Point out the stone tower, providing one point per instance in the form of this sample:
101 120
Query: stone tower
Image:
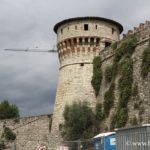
79 40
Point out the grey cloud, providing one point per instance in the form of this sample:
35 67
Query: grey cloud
30 79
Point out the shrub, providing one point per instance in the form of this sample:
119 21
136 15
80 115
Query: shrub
98 117
79 121
109 99
121 117
126 48
8 111
99 113
123 52
97 75
145 67
113 122
125 82
8 134
109 74
114 45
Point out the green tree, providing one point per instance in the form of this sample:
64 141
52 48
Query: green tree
8 110
79 121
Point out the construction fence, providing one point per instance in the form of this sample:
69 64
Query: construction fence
78 145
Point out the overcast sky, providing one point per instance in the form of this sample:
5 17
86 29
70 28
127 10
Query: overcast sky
29 79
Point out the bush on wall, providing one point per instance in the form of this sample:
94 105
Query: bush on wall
123 55
125 82
127 47
97 75
145 67
109 74
121 117
109 99
8 134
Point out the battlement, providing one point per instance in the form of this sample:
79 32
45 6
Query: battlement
142 31
76 45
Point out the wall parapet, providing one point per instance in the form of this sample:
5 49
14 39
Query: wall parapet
108 52
142 31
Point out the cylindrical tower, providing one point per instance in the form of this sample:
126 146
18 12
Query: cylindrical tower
79 40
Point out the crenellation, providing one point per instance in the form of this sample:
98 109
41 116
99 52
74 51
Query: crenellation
147 23
130 32
136 29
142 31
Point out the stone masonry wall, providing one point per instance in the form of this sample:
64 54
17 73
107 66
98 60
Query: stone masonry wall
76 29
143 98
30 131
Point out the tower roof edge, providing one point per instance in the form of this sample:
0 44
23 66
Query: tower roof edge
87 18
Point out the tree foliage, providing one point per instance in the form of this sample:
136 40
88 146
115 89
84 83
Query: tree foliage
8 111
79 121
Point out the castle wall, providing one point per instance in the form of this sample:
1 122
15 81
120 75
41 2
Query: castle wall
143 98
30 132
74 85
77 48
